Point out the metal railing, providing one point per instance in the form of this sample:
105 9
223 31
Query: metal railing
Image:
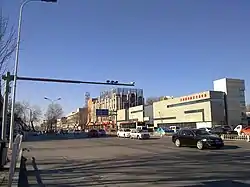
15 156
235 137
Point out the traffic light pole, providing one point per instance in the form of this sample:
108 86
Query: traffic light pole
7 78
10 78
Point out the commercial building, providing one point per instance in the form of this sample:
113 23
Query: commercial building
141 114
74 120
235 99
207 108
113 100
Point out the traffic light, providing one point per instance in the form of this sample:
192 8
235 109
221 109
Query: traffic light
52 1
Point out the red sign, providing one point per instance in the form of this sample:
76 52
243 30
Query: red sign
188 98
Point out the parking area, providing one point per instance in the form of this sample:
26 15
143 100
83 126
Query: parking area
126 162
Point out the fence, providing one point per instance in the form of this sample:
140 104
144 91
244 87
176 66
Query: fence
15 155
235 137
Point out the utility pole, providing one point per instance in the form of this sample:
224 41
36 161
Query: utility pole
7 78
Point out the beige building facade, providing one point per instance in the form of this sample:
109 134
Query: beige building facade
113 100
206 107
74 120
135 114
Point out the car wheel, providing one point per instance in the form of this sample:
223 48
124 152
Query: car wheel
138 137
124 135
177 143
200 145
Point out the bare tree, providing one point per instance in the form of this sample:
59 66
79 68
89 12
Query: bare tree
54 112
26 113
35 115
7 44
20 109
151 100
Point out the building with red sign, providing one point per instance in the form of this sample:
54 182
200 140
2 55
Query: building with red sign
205 107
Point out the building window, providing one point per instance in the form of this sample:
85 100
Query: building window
165 118
188 103
193 111
136 111
242 93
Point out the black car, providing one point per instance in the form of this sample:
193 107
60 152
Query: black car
197 138
222 130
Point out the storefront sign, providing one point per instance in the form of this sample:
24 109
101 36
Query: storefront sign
193 97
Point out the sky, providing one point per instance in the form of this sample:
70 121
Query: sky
168 47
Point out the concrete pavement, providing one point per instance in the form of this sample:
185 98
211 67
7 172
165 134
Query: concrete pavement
125 162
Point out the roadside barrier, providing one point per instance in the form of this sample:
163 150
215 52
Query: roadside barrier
160 134
15 156
235 137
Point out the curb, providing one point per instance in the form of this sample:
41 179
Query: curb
16 174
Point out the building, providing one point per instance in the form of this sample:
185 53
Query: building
235 99
74 120
207 108
92 105
61 123
113 100
139 113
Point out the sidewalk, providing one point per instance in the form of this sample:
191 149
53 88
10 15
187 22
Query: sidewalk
4 173
5 170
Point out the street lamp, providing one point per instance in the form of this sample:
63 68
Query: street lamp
16 64
52 101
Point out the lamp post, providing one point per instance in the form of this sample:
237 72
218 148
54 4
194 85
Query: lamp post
16 64
52 103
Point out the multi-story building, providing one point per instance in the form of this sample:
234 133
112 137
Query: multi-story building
74 120
206 108
114 100
235 99
61 123
135 114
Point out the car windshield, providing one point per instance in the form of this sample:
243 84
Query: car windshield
201 132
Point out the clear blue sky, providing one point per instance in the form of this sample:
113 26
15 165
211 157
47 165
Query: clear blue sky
169 47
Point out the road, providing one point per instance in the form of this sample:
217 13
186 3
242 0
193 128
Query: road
125 162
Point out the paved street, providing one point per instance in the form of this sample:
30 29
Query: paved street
125 162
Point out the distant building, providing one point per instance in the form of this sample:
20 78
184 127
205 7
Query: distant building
235 99
113 100
74 120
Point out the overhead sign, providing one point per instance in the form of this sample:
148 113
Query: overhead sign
102 112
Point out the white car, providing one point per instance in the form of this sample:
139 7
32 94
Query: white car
123 133
139 134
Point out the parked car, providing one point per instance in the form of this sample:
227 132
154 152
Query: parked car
139 134
77 131
93 133
222 130
124 133
197 138
102 132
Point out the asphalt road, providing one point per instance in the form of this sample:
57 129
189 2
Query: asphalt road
125 162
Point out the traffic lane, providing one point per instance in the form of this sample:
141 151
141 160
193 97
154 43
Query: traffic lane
158 166
114 147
